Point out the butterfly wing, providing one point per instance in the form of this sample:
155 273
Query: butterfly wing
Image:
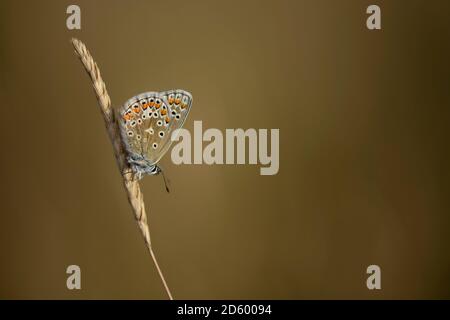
148 120
179 103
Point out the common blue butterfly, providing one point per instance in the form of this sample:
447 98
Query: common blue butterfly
147 122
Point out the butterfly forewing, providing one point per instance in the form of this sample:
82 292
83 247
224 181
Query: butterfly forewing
148 120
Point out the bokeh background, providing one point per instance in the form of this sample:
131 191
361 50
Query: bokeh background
364 127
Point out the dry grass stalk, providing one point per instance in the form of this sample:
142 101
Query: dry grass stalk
132 187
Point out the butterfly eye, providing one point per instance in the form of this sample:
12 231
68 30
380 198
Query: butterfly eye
143 101
159 123
174 112
130 133
155 145
177 116
161 134
139 121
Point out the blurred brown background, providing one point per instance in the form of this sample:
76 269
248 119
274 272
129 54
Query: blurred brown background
364 127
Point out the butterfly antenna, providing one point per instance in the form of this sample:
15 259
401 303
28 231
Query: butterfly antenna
166 181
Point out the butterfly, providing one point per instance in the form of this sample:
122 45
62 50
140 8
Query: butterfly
147 122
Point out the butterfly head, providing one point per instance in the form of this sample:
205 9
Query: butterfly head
142 167
155 170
